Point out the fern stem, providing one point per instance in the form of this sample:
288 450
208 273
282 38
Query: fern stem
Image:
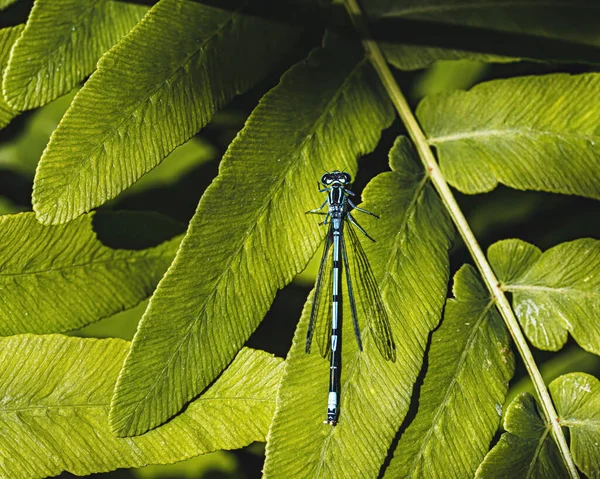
437 178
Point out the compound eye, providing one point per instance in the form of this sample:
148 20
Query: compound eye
347 178
326 179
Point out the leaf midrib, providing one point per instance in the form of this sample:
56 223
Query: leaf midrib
507 132
219 399
101 143
536 455
410 210
277 191
583 424
148 258
551 290
463 357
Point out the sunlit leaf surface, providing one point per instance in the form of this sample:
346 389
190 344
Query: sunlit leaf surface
529 133
555 293
412 241
54 398
577 399
58 278
460 401
526 449
8 36
325 113
60 46
151 93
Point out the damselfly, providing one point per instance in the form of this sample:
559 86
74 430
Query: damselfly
341 241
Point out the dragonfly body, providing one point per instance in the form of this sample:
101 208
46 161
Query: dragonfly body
336 185
337 203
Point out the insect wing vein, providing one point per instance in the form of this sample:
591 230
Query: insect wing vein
320 316
351 300
369 298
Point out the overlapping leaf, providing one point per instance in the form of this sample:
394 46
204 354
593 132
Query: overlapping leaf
577 399
460 402
249 236
414 57
6 3
571 358
54 398
58 278
22 152
8 36
486 30
121 325
521 132
526 449
151 92
554 293
180 161
60 46
215 464
447 75
412 241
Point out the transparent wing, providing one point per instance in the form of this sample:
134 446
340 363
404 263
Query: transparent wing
351 293
320 315
366 290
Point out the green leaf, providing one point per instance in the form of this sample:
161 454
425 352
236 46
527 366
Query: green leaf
519 132
569 359
121 325
6 3
218 464
554 293
577 399
60 46
485 30
57 278
460 402
54 397
413 237
8 36
414 57
151 92
526 449
445 75
181 160
326 112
